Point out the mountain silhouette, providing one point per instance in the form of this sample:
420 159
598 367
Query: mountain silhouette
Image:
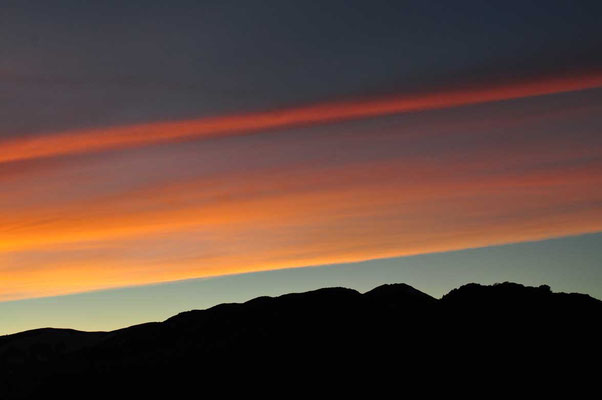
332 337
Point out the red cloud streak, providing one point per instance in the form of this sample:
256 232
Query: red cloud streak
71 142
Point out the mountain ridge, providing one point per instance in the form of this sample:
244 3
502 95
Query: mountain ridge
336 326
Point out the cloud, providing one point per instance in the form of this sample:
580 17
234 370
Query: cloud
269 219
426 182
74 142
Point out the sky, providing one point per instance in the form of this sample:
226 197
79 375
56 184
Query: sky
243 148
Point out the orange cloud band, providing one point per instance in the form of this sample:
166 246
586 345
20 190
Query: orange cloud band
250 221
71 142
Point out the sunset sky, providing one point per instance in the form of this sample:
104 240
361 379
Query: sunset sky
147 144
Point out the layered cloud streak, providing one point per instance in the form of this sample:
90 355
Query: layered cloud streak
73 142
415 183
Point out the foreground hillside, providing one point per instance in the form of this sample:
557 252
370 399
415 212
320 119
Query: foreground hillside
334 336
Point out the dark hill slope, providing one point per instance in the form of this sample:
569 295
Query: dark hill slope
334 336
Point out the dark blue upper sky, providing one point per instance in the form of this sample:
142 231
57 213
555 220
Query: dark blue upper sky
68 64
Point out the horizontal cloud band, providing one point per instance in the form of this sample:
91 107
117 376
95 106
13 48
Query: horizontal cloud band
73 142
